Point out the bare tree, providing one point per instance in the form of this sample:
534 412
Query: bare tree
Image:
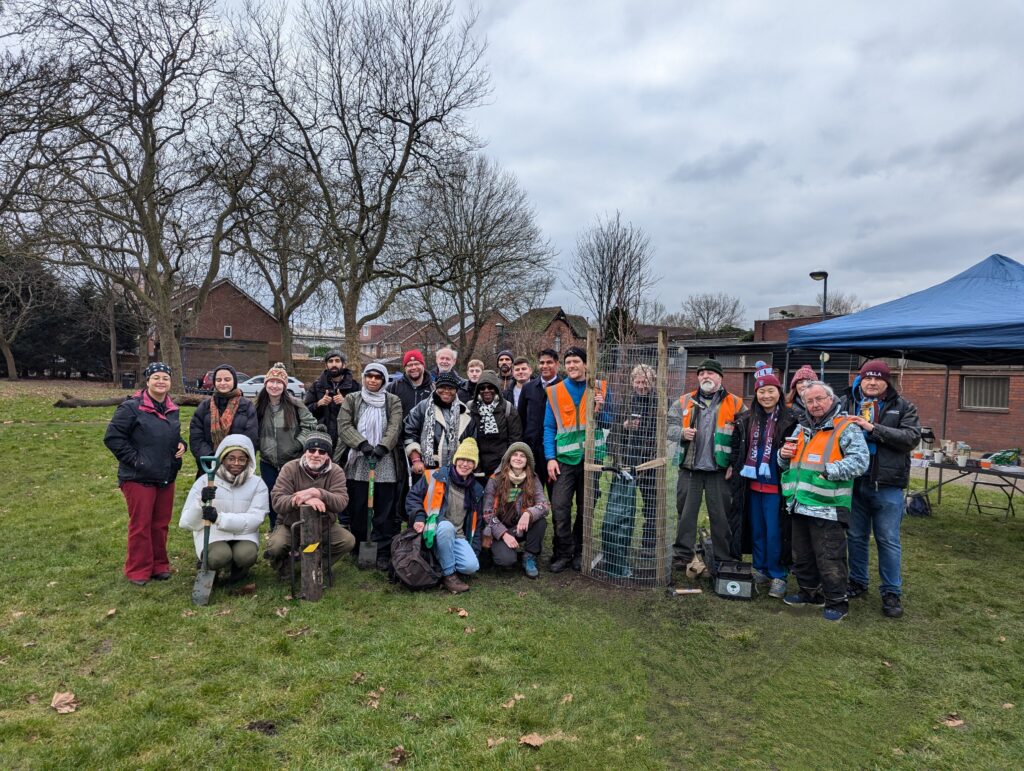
841 303
162 149
708 313
481 233
372 96
611 274
24 286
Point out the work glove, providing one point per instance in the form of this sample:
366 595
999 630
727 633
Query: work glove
366 449
381 451
209 513
208 494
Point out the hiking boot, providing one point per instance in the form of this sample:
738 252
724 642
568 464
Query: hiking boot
759 578
577 563
454 584
560 564
891 606
383 563
530 566
834 614
803 600
778 588
855 589
138 581
237 574
164 576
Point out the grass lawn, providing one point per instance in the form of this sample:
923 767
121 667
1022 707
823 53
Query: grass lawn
609 678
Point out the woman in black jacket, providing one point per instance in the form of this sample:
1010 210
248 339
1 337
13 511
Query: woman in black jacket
758 511
494 424
145 437
226 412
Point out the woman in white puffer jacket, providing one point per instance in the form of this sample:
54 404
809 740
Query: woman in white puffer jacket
237 505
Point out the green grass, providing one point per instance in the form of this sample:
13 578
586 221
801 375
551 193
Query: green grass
656 682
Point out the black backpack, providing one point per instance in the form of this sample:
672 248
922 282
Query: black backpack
918 505
412 564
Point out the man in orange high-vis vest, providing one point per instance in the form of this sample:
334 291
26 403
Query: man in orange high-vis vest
701 421
564 433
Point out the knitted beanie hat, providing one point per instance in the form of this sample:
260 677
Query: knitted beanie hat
468 450
522 447
710 365
414 355
331 354
765 376
449 379
877 368
505 352
318 439
277 372
577 352
804 373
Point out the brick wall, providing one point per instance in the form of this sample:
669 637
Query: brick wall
226 306
199 356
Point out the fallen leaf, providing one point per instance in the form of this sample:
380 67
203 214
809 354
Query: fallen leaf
534 686
469 630
263 727
297 632
373 698
28 645
1002 638
952 720
887 664
532 740
520 594
17 614
111 612
32 699
638 738
88 594
281 612
512 702
51 584
223 612
288 597
898 752
4 661
492 743
357 677
64 702
155 658
398 756
1007 705
462 612
566 699
187 613
246 589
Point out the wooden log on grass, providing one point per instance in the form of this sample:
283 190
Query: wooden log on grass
72 401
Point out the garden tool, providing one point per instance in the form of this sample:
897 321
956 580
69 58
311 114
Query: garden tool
368 549
204 578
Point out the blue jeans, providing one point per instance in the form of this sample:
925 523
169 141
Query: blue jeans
269 474
454 552
880 510
766 533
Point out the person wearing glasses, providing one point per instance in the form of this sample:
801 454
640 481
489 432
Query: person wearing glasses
369 428
310 480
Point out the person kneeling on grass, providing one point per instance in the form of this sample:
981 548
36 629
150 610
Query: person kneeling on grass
445 507
515 508
311 480
235 505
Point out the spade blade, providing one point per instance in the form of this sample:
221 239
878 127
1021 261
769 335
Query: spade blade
203 586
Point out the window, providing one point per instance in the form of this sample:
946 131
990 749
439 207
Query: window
558 343
984 393
227 330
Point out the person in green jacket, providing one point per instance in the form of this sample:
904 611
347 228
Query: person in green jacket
284 424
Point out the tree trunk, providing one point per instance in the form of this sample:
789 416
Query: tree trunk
349 310
112 331
170 353
12 370
286 344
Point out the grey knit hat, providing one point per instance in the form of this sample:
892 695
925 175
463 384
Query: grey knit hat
522 447
319 439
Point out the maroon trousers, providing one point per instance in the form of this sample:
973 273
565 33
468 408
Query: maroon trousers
149 514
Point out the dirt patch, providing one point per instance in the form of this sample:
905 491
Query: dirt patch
262 726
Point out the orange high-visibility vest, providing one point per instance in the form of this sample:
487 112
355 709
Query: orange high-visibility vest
571 423
804 478
725 418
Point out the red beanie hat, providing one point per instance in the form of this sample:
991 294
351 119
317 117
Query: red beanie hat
804 373
414 354
765 376
876 368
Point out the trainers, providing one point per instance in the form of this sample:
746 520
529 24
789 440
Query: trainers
560 564
164 576
833 614
530 566
855 589
759 577
454 584
778 588
803 600
891 605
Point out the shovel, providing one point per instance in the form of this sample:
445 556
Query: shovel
204 578
368 549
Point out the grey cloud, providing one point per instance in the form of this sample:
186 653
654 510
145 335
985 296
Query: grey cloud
727 162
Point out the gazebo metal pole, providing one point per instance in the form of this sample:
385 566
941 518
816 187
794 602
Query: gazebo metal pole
945 404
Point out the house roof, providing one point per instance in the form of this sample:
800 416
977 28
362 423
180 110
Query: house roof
539 319
189 293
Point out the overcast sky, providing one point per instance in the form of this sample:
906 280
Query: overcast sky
756 141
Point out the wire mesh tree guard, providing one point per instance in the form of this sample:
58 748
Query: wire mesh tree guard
627 530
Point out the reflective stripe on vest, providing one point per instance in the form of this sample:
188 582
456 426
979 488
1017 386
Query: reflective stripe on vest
803 477
725 418
571 423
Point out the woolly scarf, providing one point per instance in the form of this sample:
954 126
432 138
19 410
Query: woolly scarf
488 424
233 479
751 469
220 422
451 419
372 419
315 473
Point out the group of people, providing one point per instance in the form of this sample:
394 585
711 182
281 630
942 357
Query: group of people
799 480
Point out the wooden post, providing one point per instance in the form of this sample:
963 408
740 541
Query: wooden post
661 443
312 564
590 479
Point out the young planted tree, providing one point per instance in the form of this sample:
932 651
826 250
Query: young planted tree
372 95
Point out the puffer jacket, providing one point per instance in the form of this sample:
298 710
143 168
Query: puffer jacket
144 440
897 431
240 508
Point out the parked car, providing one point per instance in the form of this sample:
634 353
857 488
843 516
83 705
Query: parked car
207 384
252 387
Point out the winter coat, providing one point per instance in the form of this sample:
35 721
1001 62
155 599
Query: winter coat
409 394
294 478
503 517
278 446
536 399
144 441
739 516
328 414
416 512
897 431
201 437
633 446
493 446
416 426
240 508
349 438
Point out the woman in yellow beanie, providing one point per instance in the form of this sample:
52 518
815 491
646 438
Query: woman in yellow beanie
445 507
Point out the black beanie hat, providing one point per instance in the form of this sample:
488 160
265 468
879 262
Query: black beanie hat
711 366
576 351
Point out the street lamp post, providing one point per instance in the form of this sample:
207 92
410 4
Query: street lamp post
822 275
